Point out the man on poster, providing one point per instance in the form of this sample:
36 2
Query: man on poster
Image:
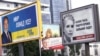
6 35
45 44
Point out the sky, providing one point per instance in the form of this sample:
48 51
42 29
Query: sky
79 3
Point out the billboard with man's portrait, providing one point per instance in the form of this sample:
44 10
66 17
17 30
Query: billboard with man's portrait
80 25
21 25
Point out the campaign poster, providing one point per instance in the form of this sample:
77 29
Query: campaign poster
50 30
55 43
20 25
51 37
80 25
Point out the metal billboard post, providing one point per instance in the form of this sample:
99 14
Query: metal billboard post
21 49
40 22
75 49
40 46
87 50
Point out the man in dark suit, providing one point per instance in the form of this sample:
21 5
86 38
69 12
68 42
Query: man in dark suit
6 35
45 44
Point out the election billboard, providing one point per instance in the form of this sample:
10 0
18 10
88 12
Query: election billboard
56 43
80 25
21 25
52 43
51 37
51 30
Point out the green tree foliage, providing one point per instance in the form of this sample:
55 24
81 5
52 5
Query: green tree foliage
55 35
13 49
47 53
72 49
31 48
78 46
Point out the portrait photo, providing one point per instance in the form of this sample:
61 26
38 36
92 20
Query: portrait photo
50 30
68 27
45 44
6 34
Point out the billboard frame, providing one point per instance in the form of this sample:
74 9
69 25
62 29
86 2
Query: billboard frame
95 18
39 20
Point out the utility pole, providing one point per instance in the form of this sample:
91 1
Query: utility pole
68 3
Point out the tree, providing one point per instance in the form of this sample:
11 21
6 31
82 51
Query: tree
47 53
13 49
31 48
72 50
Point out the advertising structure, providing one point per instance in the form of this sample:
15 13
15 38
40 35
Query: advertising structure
51 37
80 25
50 30
55 43
21 25
52 43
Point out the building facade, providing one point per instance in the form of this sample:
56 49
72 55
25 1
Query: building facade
57 6
51 10
46 15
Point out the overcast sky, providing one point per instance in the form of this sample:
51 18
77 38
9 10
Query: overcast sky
79 3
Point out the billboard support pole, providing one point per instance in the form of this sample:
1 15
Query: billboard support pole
21 49
75 49
40 23
40 46
87 51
